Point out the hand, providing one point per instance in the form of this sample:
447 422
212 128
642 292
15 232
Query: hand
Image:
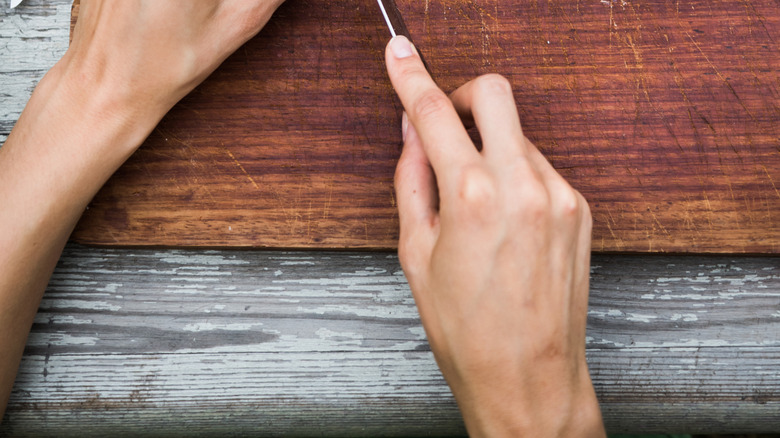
155 52
129 63
496 247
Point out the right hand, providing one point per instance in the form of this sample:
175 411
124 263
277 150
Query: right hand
496 247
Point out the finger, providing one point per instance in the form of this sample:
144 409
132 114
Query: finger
489 101
415 185
582 265
543 166
464 111
584 246
441 132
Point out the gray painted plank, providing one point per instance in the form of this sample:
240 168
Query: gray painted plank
197 338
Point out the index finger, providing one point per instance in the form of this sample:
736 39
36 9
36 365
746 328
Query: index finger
444 138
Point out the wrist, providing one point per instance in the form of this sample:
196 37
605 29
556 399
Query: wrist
531 406
119 107
72 136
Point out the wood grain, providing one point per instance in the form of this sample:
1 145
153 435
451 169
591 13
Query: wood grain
149 342
706 357
665 115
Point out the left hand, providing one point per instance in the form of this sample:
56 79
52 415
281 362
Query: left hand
129 63
155 52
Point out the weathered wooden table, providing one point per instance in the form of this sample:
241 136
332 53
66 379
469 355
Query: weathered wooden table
200 342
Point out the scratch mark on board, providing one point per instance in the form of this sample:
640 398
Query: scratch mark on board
721 77
658 222
230 154
771 180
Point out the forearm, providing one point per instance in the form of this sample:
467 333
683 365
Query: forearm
73 134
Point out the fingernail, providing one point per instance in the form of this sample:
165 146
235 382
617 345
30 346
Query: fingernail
401 47
404 125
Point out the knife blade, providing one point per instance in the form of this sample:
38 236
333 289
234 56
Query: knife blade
395 22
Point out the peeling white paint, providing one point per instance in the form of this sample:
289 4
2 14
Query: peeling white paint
82 304
362 311
60 339
47 318
110 287
418 332
340 336
687 317
636 317
186 258
209 326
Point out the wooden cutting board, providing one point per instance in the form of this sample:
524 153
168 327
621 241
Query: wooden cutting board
664 114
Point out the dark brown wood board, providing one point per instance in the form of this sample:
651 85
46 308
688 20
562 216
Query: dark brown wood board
664 114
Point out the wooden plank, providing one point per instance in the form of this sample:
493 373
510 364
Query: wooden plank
228 342
732 347
663 114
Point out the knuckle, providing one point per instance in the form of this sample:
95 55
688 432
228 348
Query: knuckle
587 216
477 191
569 202
572 207
430 104
492 84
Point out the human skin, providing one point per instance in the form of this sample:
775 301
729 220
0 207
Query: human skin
130 61
499 274
495 245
